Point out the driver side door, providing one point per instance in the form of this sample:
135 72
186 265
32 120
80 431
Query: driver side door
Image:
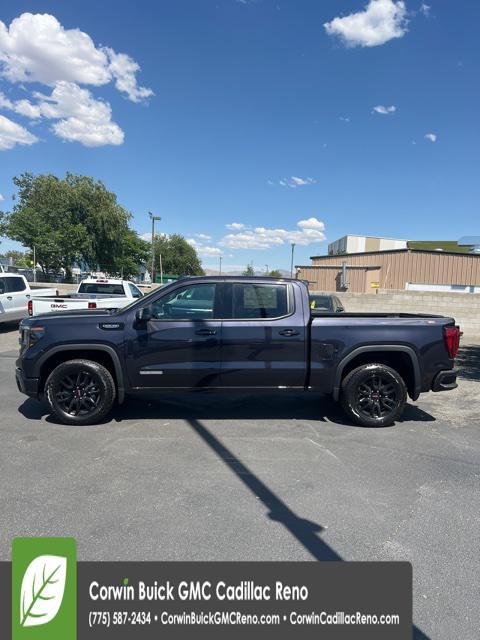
180 346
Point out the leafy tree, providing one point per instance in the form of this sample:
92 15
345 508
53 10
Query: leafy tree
69 220
249 270
19 258
275 273
178 257
135 251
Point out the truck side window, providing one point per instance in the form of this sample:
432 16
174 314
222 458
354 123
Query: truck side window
15 284
260 301
195 302
3 288
136 293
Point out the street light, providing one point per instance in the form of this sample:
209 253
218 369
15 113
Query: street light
291 265
153 218
220 270
266 267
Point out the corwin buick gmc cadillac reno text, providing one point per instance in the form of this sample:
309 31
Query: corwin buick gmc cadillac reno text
234 334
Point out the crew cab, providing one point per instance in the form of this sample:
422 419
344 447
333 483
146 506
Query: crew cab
92 293
15 293
234 334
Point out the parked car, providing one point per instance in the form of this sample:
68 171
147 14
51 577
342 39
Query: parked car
321 303
92 293
15 292
234 334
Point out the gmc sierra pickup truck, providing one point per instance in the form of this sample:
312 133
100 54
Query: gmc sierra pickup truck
234 334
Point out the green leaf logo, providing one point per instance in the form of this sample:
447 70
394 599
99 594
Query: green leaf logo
43 586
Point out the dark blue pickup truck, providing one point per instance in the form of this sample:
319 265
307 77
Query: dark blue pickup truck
234 334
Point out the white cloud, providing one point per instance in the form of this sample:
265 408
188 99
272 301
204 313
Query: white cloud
294 181
343 119
431 136
37 48
235 226
81 117
203 236
425 9
204 250
384 111
12 134
2 197
379 22
123 68
308 232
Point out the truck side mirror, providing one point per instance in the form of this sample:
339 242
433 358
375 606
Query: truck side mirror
143 315
340 309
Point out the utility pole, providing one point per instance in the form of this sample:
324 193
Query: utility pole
153 218
291 264
161 270
220 269
34 264
266 272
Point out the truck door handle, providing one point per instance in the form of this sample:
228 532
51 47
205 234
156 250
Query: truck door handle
9 297
289 332
28 295
206 332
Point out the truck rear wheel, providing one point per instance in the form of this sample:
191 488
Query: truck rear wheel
80 392
374 395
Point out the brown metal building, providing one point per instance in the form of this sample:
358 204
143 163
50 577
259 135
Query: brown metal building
397 269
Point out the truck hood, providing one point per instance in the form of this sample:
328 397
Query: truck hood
85 314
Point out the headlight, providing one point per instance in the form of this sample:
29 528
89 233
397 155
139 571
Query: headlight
34 335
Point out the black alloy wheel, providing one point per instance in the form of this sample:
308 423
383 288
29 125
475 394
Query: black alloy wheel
80 392
78 395
374 395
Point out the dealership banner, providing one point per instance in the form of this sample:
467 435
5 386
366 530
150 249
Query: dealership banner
46 594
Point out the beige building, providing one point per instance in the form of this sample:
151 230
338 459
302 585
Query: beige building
361 244
393 270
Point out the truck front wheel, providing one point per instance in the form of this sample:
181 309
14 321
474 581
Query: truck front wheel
374 395
80 392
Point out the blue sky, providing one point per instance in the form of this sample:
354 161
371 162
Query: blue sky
259 115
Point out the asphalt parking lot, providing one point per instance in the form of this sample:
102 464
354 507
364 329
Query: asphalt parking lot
258 478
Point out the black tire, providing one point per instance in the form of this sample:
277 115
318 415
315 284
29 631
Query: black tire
373 395
80 392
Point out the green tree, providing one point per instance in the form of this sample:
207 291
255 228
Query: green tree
71 220
178 257
135 251
249 270
275 273
19 258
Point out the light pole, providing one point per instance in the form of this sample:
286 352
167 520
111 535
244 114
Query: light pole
220 269
153 218
266 267
291 264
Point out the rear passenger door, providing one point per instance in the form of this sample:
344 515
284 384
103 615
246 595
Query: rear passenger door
263 336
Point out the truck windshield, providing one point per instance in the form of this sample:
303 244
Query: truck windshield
101 287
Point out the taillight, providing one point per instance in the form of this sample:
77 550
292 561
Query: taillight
451 335
92 305
30 308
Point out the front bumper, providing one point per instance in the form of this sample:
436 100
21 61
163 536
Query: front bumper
28 386
445 380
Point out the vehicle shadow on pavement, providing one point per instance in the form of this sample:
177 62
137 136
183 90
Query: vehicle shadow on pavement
305 531
468 362
228 407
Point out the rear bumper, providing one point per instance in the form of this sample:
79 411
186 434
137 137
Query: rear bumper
445 380
28 386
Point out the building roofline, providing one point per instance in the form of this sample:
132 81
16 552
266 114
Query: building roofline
383 251
360 235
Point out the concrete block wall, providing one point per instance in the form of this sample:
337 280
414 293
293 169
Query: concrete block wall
464 307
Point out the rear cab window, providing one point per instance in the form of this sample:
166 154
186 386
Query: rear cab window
102 288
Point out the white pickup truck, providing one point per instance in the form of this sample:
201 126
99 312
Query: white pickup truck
92 293
15 294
